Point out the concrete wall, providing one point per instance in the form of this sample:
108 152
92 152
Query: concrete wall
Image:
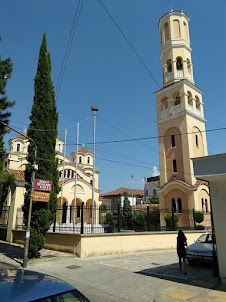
110 244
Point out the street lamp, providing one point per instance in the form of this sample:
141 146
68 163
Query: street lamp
132 188
94 110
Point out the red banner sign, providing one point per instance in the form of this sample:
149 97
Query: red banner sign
43 185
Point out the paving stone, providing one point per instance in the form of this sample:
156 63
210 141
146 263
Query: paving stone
202 283
181 294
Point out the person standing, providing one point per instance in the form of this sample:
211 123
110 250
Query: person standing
181 251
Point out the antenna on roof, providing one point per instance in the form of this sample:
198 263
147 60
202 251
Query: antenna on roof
25 130
83 145
171 8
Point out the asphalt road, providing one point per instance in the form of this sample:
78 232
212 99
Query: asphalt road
150 276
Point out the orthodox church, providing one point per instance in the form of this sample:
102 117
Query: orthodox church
16 164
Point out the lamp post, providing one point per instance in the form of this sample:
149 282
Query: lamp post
34 167
62 185
94 110
132 188
76 177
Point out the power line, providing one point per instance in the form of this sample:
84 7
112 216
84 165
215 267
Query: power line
152 137
131 46
68 48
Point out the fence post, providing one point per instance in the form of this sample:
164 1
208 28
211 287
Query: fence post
54 223
148 218
82 218
118 217
173 222
193 214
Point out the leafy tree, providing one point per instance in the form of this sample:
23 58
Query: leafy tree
199 217
169 221
126 212
139 221
43 116
6 68
110 223
153 199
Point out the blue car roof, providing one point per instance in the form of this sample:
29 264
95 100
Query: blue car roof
23 285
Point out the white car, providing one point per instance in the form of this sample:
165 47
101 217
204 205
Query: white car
201 250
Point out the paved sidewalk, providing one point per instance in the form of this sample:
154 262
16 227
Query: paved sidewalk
149 276
12 254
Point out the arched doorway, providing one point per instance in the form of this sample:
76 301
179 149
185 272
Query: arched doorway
88 211
77 212
61 212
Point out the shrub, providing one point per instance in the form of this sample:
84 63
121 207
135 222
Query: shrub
169 222
154 219
36 243
199 227
110 223
139 222
199 217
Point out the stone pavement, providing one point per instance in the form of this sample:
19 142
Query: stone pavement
150 276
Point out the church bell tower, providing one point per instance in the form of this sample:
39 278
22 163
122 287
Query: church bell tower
180 120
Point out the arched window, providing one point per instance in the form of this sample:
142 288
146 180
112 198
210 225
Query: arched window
68 173
179 64
64 215
78 211
176 96
179 205
196 141
176 28
206 208
197 102
72 174
164 102
166 32
80 159
185 31
88 160
60 173
174 165
18 147
65 173
173 141
173 205
59 147
169 65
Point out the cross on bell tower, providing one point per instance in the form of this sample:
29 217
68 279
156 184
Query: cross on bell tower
180 119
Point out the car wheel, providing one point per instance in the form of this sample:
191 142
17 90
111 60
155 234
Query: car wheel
191 262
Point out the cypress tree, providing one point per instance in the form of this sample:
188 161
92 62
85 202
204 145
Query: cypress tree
44 117
5 73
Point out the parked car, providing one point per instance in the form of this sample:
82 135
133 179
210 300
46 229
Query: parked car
23 285
201 250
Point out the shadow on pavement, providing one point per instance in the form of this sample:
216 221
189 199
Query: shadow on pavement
198 275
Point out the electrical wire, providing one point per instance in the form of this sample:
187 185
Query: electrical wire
68 48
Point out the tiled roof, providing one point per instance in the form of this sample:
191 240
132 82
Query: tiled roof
20 175
60 138
120 191
83 150
20 136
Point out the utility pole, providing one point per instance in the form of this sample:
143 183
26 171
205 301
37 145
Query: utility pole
34 167
62 185
132 188
76 176
94 110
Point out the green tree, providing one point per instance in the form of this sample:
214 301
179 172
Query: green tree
139 221
170 226
43 116
6 68
126 212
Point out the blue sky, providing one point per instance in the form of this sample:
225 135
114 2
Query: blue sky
103 71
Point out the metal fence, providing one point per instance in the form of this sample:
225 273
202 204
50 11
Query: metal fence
4 216
78 220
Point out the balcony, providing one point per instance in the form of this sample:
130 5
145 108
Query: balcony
164 113
180 74
198 112
177 109
169 76
190 108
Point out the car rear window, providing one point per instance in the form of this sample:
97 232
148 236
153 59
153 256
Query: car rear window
71 296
